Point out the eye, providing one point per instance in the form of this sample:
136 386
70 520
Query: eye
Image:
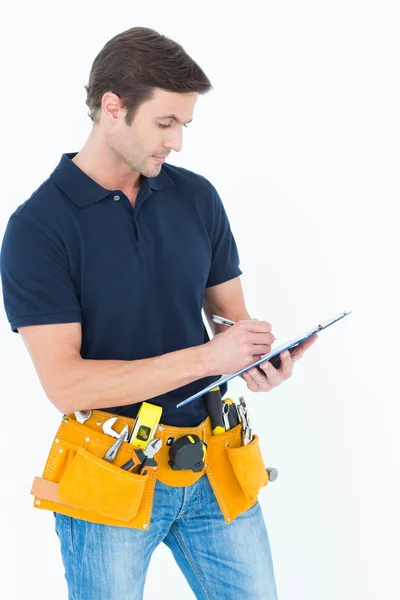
166 126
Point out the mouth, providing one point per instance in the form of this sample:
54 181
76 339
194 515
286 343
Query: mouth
159 159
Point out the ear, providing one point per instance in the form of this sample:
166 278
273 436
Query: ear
112 106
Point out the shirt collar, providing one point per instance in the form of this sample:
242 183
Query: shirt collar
83 190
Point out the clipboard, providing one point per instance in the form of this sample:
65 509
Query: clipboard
291 344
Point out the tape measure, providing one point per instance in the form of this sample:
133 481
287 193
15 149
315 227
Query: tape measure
147 419
187 452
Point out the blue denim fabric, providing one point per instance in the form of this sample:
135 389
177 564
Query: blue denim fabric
219 561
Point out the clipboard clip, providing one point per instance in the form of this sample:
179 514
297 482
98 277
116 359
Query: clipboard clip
333 320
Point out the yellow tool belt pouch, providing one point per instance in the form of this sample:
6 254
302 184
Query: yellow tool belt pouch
96 486
78 482
236 472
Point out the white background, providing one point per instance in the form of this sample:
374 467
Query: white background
300 136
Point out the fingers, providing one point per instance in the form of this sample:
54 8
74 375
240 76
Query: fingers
276 376
266 377
255 326
303 346
286 368
262 379
256 381
261 349
309 342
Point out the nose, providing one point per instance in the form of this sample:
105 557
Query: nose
174 140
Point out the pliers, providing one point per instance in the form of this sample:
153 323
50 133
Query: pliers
112 451
145 457
247 433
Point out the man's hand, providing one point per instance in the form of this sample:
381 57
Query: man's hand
238 346
264 380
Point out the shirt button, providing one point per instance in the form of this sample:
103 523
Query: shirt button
116 198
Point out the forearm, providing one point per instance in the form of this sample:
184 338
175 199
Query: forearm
104 383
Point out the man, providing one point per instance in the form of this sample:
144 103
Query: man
105 272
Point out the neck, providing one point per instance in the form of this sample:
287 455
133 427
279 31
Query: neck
100 164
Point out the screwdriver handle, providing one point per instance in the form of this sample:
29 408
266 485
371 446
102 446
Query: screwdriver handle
213 403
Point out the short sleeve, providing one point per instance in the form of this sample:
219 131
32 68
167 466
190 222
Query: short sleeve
225 257
36 281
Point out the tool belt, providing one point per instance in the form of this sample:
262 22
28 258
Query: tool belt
77 482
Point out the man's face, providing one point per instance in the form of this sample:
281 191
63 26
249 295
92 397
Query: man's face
153 132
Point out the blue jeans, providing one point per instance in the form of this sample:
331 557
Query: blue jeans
219 561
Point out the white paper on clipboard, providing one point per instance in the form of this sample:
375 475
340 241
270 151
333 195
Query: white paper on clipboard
274 352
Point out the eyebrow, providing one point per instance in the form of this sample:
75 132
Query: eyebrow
175 118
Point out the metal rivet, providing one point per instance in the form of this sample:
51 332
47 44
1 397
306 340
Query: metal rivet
65 419
116 198
206 465
228 520
154 468
145 526
98 423
60 450
37 502
169 441
56 441
227 444
160 428
87 439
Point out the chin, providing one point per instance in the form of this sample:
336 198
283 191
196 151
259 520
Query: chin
155 166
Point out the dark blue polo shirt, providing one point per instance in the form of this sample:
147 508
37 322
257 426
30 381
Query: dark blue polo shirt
133 276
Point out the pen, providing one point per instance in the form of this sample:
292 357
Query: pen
223 321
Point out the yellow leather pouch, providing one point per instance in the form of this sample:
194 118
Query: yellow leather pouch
236 472
249 468
78 482
92 484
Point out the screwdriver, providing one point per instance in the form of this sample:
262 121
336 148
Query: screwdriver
213 403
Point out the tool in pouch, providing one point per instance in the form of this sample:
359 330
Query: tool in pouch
141 438
248 434
145 457
186 452
112 451
147 419
189 451
83 415
145 447
225 415
244 417
230 413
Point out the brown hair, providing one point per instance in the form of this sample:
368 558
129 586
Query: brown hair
135 62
